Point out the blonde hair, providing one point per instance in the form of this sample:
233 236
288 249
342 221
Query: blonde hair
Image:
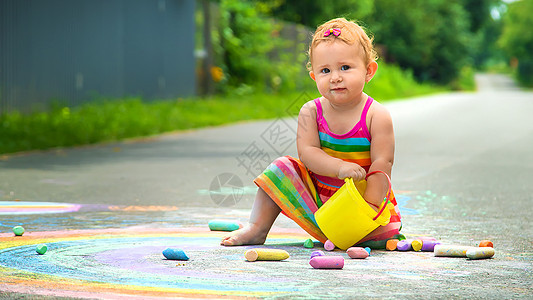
350 33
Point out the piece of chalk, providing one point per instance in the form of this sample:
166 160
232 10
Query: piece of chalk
391 244
451 250
329 246
367 249
327 262
317 253
265 254
486 243
404 245
426 238
416 245
175 254
309 243
41 249
357 252
18 230
224 225
480 252
429 246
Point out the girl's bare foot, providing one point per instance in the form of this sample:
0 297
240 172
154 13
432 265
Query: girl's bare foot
249 235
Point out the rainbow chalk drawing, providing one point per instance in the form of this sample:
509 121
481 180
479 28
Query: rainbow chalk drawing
480 252
224 225
18 230
175 254
87 264
451 250
327 262
357 252
41 249
486 243
265 254
329 246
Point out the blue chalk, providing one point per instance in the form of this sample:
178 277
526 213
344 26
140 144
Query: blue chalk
368 250
175 254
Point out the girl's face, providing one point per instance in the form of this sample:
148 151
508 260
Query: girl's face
340 71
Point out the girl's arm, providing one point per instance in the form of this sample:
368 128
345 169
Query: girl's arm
313 157
381 154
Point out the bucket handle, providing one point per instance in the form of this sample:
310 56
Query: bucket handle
388 192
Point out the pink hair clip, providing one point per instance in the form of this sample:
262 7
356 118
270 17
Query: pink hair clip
334 31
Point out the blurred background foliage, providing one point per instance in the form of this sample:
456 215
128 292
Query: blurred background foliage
435 40
251 58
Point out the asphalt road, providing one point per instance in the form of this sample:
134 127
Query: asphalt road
464 164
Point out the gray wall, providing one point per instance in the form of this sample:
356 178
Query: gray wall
78 50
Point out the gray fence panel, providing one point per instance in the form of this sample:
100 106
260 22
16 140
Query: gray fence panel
77 50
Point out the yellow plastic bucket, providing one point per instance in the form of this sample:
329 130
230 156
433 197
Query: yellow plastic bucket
346 218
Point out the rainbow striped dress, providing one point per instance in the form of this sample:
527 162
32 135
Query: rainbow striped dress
299 192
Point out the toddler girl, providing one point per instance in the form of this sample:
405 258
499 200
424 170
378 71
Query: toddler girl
344 133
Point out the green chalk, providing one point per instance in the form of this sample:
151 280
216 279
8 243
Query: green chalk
41 249
223 225
18 230
309 243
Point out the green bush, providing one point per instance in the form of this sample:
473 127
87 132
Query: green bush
117 119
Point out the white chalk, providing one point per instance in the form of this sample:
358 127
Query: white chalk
480 252
451 250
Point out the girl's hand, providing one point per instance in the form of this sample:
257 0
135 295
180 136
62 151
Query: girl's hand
351 170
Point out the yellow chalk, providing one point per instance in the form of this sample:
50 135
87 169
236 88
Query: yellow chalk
266 254
416 245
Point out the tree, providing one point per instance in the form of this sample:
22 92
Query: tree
517 38
431 37
312 13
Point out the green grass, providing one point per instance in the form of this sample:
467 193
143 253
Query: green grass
117 119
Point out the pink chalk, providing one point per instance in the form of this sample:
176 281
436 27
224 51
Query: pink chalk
327 262
329 246
357 252
426 238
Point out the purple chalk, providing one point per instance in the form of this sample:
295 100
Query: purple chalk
429 245
404 245
317 253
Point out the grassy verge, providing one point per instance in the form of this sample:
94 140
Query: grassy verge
117 119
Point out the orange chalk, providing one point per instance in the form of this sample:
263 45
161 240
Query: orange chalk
391 244
486 243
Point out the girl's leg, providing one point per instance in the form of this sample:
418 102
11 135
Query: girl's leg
264 213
